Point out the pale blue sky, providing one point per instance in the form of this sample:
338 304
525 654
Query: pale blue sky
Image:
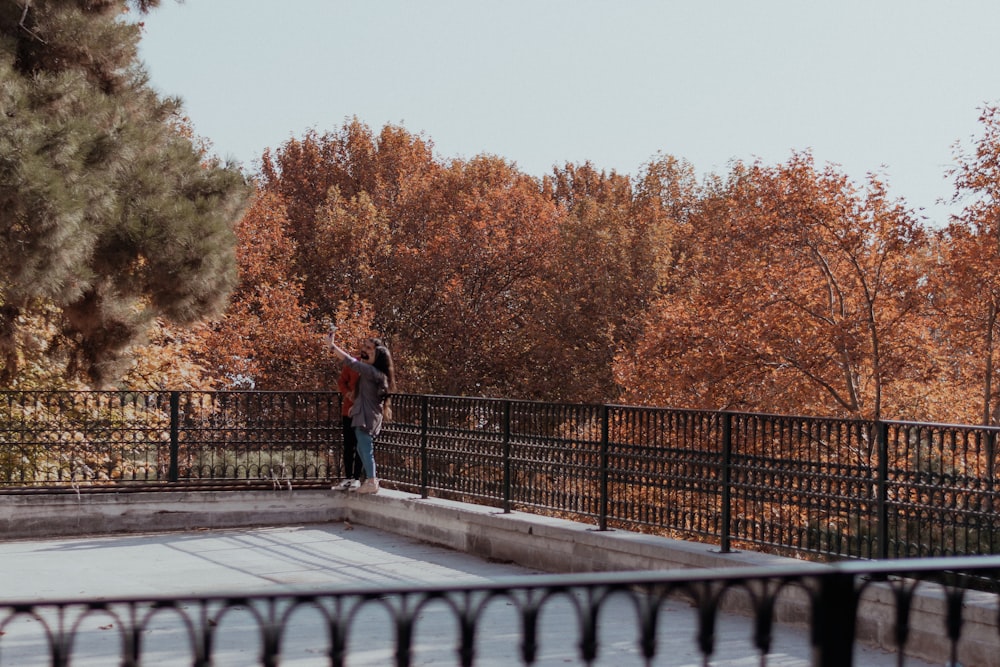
871 85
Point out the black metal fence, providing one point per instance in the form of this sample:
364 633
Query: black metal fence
96 439
450 623
799 485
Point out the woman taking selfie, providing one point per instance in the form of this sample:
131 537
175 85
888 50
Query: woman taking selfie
376 382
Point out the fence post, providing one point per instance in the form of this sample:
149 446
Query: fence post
991 452
727 480
506 458
882 486
175 429
834 615
425 412
602 521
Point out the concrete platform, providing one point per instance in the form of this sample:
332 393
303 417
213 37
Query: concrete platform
297 557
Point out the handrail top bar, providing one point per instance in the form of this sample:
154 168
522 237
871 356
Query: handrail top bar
494 399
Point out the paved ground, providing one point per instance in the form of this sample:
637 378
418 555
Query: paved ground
293 558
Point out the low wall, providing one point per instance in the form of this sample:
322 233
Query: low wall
68 514
543 543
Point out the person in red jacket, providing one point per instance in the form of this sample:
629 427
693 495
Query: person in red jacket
347 383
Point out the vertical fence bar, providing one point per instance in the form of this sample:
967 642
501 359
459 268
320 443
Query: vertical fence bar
175 428
602 522
425 412
881 430
727 477
507 494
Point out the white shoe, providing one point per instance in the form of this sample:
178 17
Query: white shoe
370 486
347 485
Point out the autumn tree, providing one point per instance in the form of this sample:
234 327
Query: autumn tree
806 299
266 339
589 285
966 279
346 196
606 266
110 216
447 257
466 290
342 187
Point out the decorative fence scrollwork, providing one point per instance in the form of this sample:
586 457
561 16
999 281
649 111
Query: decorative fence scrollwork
522 620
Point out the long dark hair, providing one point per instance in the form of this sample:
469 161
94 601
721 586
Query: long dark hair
383 363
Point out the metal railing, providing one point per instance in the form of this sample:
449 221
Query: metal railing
800 485
407 625
100 439
824 488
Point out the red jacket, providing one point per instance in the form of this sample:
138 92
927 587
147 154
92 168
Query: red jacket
347 383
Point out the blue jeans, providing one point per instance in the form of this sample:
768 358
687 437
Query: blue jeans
366 451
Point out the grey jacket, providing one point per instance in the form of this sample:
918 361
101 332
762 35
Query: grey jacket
373 387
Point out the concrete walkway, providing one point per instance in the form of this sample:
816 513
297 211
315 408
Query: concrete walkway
268 560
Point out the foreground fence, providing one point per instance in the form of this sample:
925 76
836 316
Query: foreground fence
449 623
798 485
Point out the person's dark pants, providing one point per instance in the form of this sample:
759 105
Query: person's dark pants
352 462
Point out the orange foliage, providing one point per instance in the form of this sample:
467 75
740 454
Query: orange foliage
798 295
266 340
467 282
447 257
778 288
966 281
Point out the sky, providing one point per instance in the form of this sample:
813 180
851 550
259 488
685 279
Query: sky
872 86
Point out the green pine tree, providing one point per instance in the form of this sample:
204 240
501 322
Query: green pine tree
110 216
